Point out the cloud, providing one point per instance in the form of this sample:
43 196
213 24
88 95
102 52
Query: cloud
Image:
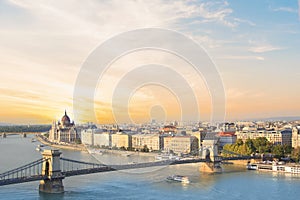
285 9
143 13
263 48
245 21
216 12
230 57
236 93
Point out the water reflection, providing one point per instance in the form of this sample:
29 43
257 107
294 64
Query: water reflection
150 183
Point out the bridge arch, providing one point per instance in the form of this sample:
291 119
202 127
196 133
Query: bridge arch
47 168
209 149
51 172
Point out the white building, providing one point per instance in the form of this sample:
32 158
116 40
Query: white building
296 137
275 137
96 137
87 136
227 138
152 141
102 139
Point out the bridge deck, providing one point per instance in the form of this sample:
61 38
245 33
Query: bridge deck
21 180
13 176
128 166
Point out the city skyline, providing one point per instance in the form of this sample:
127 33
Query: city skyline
254 46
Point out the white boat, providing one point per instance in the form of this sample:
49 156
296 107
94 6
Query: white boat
275 167
179 178
38 149
167 157
33 140
95 151
252 166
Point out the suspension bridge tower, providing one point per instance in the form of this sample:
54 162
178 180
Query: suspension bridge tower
209 152
52 183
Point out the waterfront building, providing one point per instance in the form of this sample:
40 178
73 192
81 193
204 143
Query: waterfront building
169 129
296 137
121 140
180 144
200 135
274 136
96 137
87 137
102 139
63 131
227 138
152 141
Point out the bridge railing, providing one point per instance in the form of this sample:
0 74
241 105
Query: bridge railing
71 165
28 172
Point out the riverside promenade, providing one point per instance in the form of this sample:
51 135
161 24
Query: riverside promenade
75 147
81 147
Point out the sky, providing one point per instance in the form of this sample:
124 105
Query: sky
253 44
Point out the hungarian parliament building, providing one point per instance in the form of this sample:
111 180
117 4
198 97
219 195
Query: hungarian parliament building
63 131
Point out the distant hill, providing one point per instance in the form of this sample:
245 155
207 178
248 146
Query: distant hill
24 128
287 118
5 124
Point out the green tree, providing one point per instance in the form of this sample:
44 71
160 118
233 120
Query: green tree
278 151
296 154
145 149
287 149
262 145
77 141
249 143
239 142
123 148
130 149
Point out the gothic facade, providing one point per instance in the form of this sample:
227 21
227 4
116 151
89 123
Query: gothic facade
63 131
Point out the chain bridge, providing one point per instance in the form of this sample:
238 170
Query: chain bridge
51 169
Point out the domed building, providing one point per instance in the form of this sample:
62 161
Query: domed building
63 131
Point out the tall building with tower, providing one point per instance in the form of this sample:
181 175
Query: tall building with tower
64 131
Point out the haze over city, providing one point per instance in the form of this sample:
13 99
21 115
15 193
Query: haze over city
254 45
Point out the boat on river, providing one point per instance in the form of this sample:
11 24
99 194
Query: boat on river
167 157
95 151
38 149
275 167
179 178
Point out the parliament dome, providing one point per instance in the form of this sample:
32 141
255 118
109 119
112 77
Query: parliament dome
65 120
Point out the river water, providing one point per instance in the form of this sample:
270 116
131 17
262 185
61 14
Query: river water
233 183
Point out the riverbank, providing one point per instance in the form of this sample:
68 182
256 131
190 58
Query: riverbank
18 133
129 153
81 147
77 147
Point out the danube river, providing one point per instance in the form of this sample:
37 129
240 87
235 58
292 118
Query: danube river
233 183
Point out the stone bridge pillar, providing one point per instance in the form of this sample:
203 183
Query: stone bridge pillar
210 152
52 183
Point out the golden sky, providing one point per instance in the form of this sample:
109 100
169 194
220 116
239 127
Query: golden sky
255 47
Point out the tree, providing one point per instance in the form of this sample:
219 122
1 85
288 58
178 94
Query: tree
262 145
77 141
287 149
278 151
239 142
296 154
130 149
249 143
123 148
145 149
